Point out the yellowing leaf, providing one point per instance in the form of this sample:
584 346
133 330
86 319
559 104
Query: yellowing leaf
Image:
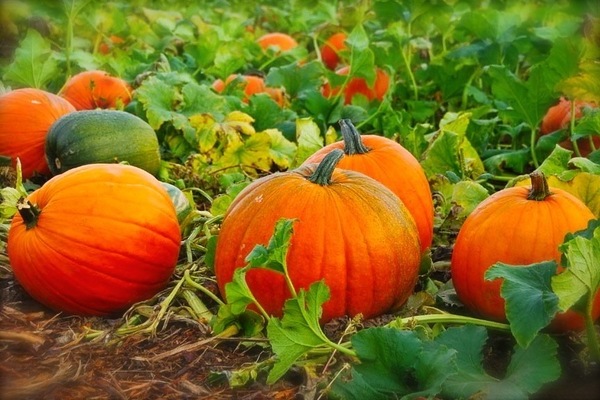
584 186
253 152
282 150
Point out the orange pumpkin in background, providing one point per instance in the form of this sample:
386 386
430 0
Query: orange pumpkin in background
391 164
559 117
89 90
350 231
277 40
25 118
95 240
252 85
517 226
331 48
358 85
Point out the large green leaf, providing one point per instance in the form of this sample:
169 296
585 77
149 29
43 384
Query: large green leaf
34 63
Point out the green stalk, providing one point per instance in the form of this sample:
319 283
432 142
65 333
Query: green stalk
590 330
352 140
190 282
197 305
322 175
446 318
533 138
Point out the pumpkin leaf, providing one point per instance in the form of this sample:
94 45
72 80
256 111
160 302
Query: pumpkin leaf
395 364
530 302
298 331
467 195
309 139
282 151
581 279
34 62
274 255
556 163
362 59
295 78
529 369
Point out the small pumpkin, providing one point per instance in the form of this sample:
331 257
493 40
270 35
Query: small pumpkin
277 40
25 118
252 85
516 226
351 231
357 85
559 117
101 136
391 164
95 240
330 50
89 90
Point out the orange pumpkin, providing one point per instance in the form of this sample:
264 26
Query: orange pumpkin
351 231
516 226
25 118
278 40
391 164
252 85
559 117
331 48
89 90
357 85
95 239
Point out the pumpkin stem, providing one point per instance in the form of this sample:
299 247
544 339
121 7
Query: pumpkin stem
322 175
352 140
539 187
29 212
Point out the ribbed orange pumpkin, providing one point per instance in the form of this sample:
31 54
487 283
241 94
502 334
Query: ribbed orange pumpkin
281 41
95 239
351 231
25 118
89 90
391 164
331 48
517 226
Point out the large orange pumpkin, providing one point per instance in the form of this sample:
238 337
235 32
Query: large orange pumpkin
89 90
95 239
25 118
516 226
351 231
391 164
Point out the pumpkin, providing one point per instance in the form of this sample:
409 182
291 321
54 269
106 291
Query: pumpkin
95 240
350 231
357 85
252 85
331 48
559 117
279 41
101 136
391 164
25 117
89 90
183 206
516 226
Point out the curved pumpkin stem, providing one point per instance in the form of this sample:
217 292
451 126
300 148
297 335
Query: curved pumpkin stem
322 175
29 212
539 187
352 140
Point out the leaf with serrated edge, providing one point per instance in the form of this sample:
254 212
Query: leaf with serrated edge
582 277
298 331
530 302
